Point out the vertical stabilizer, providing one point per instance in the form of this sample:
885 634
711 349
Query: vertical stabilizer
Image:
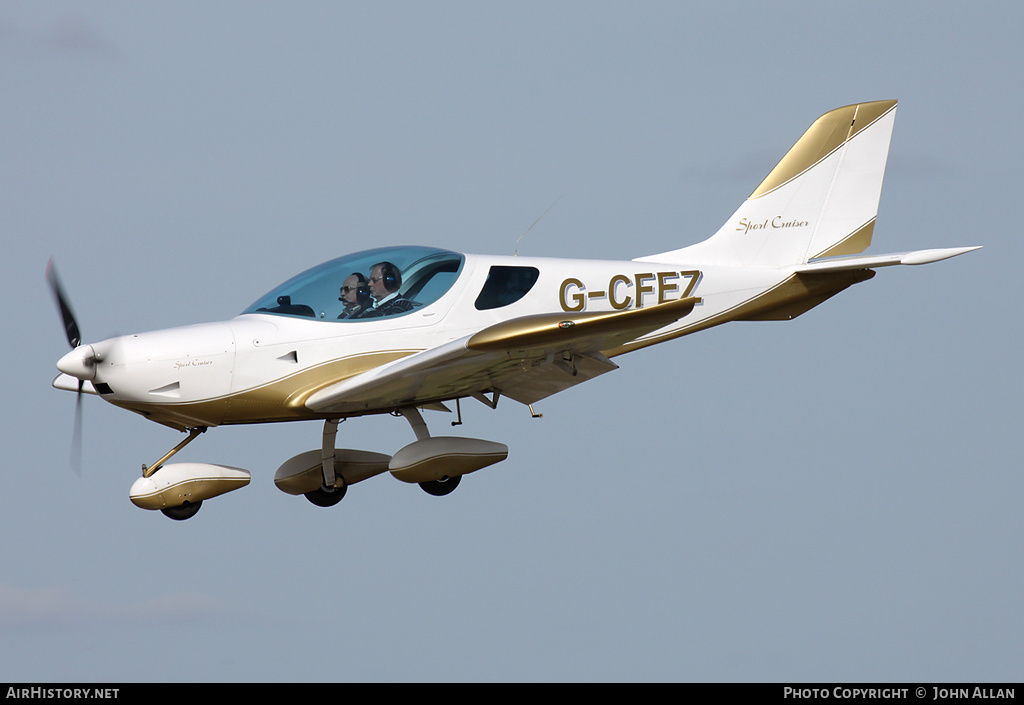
820 200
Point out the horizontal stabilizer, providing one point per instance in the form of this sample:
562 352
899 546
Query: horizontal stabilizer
842 264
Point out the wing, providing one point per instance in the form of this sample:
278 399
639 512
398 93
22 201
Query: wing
526 359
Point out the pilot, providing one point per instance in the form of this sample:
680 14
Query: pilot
355 294
385 280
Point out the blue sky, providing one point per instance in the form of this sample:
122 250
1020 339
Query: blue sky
835 498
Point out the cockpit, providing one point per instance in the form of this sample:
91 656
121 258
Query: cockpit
368 285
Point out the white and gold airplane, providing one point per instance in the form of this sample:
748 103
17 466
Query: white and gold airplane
399 329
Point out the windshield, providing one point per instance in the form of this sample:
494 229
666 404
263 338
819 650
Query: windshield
389 281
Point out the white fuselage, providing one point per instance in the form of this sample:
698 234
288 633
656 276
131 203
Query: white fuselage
261 367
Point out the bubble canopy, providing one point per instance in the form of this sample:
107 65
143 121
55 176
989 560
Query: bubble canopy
420 276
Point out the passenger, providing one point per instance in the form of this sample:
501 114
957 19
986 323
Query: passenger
355 294
385 281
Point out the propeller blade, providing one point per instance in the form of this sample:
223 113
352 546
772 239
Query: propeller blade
76 437
74 339
70 324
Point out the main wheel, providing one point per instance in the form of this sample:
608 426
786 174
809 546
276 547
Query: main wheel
327 497
182 512
439 488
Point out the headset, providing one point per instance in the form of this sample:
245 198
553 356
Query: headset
389 275
362 289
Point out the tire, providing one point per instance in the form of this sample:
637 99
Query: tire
326 498
439 488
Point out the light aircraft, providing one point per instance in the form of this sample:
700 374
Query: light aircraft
399 329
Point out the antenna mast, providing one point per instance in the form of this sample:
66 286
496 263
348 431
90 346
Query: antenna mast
515 251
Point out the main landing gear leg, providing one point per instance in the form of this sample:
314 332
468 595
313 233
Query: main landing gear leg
331 491
441 487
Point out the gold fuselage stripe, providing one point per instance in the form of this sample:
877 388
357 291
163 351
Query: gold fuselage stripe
280 400
796 288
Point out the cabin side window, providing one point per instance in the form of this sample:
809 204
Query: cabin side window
505 285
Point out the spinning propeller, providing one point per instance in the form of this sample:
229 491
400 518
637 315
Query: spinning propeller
80 362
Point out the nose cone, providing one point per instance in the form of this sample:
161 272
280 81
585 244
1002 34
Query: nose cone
80 363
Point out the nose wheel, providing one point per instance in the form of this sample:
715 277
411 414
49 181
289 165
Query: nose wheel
182 512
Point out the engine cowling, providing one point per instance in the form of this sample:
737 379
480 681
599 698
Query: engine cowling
173 485
441 457
302 473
